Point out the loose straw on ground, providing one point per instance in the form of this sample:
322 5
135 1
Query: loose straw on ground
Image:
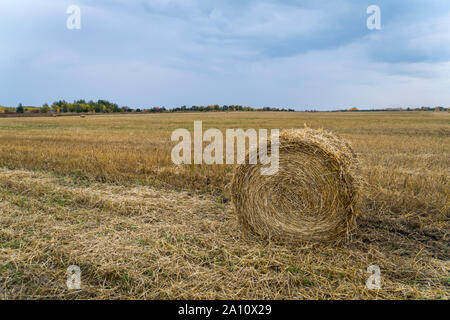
311 198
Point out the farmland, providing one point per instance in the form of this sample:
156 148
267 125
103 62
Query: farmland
102 193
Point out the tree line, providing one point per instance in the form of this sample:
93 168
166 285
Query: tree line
81 106
104 106
216 107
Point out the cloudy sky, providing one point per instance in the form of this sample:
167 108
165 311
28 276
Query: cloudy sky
289 53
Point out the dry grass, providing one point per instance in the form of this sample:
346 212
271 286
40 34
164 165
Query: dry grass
313 195
101 193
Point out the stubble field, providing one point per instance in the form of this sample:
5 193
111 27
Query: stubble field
102 193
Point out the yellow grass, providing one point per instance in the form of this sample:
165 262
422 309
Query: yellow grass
101 192
312 197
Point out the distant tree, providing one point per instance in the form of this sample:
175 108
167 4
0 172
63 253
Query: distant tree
55 107
45 108
20 109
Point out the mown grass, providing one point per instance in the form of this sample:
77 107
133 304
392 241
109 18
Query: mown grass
101 192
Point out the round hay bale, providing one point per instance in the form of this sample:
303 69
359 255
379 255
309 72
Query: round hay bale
312 197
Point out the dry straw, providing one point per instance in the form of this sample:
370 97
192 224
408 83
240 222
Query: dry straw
311 198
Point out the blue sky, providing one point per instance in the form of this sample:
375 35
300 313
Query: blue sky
292 53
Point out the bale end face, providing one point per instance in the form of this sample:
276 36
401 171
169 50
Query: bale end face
311 198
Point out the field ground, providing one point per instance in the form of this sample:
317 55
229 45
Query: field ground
101 192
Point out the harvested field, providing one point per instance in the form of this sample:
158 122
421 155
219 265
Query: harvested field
101 193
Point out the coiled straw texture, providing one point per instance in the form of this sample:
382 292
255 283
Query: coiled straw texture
311 198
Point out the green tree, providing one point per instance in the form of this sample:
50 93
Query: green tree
45 108
20 109
55 108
